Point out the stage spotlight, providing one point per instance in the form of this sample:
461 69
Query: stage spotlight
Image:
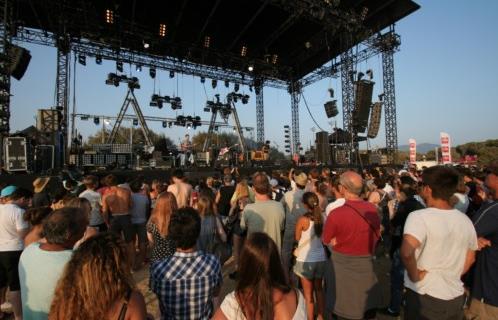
171 74
214 83
139 68
203 79
82 60
135 122
146 45
236 87
207 41
98 59
250 68
250 88
165 124
370 74
331 92
119 66
245 99
109 16
96 120
152 73
162 30
381 97
360 75
243 51
227 83
170 124
274 58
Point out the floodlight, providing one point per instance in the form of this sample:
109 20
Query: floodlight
119 66
98 59
152 73
82 60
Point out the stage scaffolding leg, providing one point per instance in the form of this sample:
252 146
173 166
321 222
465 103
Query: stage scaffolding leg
5 39
62 101
212 124
390 105
260 116
347 74
119 119
295 92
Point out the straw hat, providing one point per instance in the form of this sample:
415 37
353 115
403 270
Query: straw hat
40 183
301 179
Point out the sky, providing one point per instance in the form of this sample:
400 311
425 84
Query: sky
445 80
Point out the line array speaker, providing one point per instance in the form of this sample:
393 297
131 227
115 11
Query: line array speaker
364 89
375 115
19 61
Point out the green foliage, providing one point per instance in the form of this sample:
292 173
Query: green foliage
161 142
486 151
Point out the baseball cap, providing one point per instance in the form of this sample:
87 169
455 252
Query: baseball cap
7 191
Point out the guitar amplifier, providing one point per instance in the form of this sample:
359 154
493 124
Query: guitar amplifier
15 154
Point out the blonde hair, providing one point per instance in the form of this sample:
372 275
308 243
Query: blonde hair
97 276
205 206
165 206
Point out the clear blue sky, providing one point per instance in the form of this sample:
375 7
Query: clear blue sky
446 80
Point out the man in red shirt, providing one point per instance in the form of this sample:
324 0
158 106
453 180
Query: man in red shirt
352 231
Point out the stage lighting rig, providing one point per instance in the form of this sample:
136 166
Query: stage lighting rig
157 101
152 73
119 66
82 60
114 79
98 59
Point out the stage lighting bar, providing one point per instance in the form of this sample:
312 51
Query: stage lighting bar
207 41
109 16
235 97
114 79
158 101
243 51
162 30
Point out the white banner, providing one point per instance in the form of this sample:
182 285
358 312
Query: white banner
445 148
413 150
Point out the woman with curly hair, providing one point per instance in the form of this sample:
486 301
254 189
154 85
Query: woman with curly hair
157 227
97 284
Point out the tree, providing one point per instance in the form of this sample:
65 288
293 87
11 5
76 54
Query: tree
124 136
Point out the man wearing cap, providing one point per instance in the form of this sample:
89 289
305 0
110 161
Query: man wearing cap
293 206
40 196
13 229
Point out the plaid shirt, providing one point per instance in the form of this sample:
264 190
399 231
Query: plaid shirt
184 284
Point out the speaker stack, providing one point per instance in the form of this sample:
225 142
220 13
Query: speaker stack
375 115
364 90
323 154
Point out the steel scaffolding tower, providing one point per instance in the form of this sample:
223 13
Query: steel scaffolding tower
347 75
4 75
260 114
295 92
62 99
389 44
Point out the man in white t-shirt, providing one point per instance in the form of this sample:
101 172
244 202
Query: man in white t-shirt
13 229
180 189
438 247
96 217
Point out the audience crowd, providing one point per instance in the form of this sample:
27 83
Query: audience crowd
304 245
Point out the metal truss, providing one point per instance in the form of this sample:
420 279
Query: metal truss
62 100
295 92
131 99
92 49
260 114
390 106
5 40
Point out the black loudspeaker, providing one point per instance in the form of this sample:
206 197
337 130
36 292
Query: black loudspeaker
19 61
323 154
375 115
331 108
363 101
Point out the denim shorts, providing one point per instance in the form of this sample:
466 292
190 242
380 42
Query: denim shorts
309 270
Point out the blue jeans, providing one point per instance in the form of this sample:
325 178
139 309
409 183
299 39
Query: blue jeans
397 278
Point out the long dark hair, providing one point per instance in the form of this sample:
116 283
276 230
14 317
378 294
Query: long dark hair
311 200
260 271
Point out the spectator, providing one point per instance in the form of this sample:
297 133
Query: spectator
262 291
265 215
353 230
181 190
158 225
211 226
85 205
224 195
40 196
139 212
407 204
97 220
484 304
116 205
338 196
35 218
310 255
460 200
97 284
294 209
13 229
438 248
186 282
42 264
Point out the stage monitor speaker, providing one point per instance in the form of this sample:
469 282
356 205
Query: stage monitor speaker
16 157
363 101
19 61
331 108
323 147
375 115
